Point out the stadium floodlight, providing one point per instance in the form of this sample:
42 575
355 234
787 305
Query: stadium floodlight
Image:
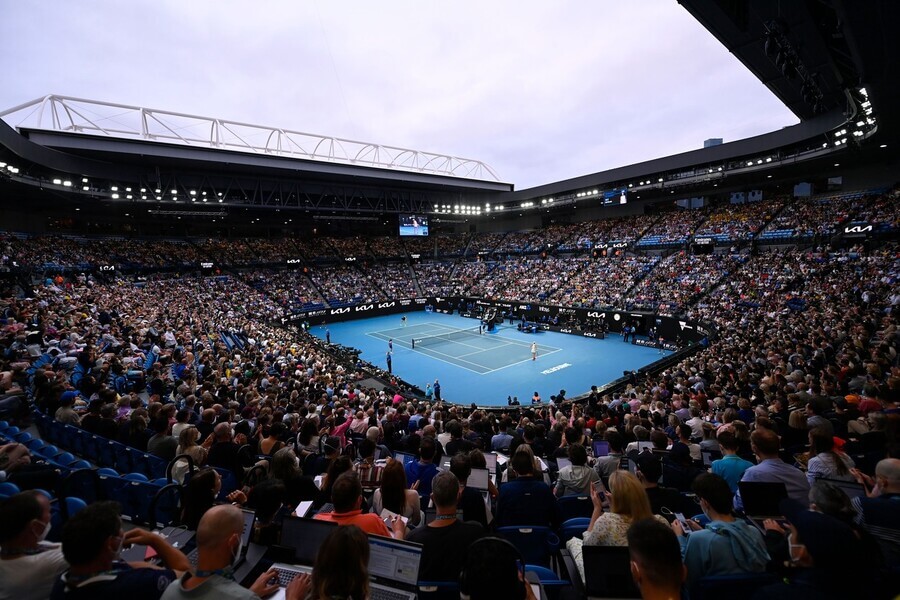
220 200
660 180
67 183
594 192
143 190
128 196
749 163
128 189
159 197
115 188
86 188
858 133
57 182
143 197
193 192
174 192
156 190
837 164
883 146
759 162
769 159
83 179
115 196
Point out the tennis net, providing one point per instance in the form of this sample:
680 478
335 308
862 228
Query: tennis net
450 336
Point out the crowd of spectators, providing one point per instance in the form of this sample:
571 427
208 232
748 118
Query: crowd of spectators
678 280
674 226
738 222
602 282
290 289
809 333
345 284
532 279
394 279
437 245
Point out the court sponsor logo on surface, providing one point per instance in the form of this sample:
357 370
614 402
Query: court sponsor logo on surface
555 369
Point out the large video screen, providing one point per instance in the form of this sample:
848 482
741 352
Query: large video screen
413 225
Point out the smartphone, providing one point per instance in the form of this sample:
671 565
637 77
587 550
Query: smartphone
684 524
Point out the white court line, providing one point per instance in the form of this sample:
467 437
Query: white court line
428 352
554 351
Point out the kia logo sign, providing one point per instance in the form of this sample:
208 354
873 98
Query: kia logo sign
363 307
858 229
597 315
386 304
340 311
294 261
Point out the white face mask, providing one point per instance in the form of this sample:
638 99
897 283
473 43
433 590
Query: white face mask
43 535
237 555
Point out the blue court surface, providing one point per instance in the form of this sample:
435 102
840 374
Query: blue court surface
485 368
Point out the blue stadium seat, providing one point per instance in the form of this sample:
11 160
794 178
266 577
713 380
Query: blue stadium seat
537 545
573 528
165 507
573 507
7 489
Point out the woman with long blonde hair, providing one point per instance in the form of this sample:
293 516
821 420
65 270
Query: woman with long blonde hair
628 503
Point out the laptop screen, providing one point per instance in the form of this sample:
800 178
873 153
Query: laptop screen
249 517
394 561
305 536
601 448
405 458
478 479
761 498
491 462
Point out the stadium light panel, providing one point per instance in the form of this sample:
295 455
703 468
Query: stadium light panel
128 189
128 196
174 192
115 188
883 146
660 180
86 188
769 159
115 196
57 181
143 197
193 192
837 164
67 183
159 197
156 190
143 190
749 163
83 179
720 169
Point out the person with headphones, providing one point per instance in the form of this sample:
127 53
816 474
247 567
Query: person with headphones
494 569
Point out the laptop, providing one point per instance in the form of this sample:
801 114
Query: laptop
491 460
405 458
709 456
305 536
249 518
478 479
761 500
177 537
563 462
393 568
600 447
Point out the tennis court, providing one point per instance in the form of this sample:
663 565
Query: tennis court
487 368
466 348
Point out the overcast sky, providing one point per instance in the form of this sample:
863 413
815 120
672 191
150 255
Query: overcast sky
540 91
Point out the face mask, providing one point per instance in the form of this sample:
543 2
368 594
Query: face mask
43 535
119 548
237 555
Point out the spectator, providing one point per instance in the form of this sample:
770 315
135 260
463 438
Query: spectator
219 546
730 467
576 478
91 542
29 566
649 472
394 496
223 452
341 569
493 569
725 545
445 540
160 443
526 500
420 473
656 565
877 511
199 496
628 504
346 496
824 461
471 502
607 465
770 468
